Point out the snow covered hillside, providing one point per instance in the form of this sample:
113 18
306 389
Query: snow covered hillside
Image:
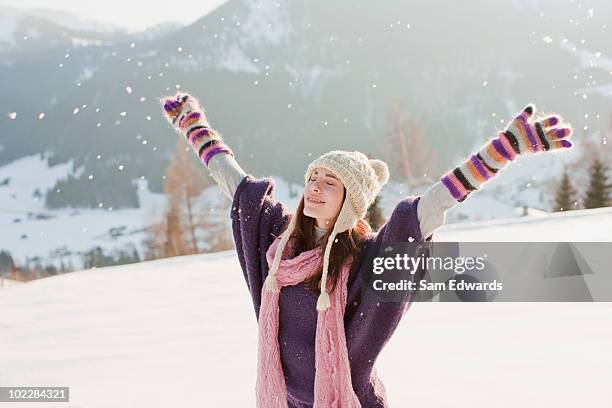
182 332
30 230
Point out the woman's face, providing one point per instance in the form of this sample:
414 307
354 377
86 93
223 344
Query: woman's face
323 197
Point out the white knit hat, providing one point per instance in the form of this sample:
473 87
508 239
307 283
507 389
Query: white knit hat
363 178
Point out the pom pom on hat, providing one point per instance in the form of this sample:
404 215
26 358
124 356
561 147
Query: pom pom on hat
381 169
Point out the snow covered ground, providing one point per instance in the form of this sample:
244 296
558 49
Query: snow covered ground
181 332
29 229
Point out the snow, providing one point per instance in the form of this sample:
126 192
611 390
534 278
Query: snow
182 332
4 282
267 22
233 59
73 21
10 18
83 229
77 230
572 226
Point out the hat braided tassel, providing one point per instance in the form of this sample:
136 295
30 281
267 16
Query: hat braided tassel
270 283
323 303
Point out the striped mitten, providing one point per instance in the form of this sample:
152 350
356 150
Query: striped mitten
187 117
522 136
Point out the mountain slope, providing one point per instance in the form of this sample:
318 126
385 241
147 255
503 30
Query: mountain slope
287 81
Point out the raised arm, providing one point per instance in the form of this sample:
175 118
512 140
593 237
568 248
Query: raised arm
524 135
188 118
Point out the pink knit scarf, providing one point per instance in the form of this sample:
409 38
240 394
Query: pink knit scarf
332 385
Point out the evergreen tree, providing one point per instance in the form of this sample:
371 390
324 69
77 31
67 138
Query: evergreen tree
598 192
6 261
565 198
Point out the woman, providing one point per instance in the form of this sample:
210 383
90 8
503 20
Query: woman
318 341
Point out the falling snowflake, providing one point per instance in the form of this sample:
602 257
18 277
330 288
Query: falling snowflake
485 83
547 39
120 167
142 99
75 111
41 115
123 114
90 177
128 89
12 115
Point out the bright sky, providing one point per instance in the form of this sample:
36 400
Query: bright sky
133 15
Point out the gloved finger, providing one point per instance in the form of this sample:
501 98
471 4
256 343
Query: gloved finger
527 112
558 133
561 144
181 97
549 121
171 107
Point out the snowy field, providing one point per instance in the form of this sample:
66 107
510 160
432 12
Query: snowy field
182 332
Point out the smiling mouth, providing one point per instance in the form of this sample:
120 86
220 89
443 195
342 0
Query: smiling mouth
310 200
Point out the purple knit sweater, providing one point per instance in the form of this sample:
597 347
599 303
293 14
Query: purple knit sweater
257 218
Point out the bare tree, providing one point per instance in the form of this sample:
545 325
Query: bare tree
406 149
184 183
189 223
215 222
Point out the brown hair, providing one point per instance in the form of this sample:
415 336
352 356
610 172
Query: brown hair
347 245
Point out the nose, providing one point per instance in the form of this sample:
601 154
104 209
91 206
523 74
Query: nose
315 186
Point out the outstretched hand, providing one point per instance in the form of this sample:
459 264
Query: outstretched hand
528 135
524 135
187 117
183 109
